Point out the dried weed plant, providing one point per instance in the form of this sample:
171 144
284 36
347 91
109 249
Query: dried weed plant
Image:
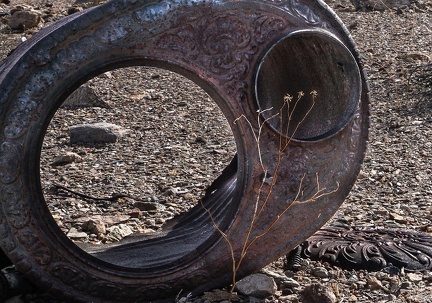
264 195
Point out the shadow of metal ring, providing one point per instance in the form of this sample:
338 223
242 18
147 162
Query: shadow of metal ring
236 51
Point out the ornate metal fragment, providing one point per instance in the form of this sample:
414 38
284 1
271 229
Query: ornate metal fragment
370 248
289 63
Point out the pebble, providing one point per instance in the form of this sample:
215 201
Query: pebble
352 279
318 293
381 276
24 19
373 283
96 227
414 277
74 234
398 218
218 295
84 96
290 282
149 206
289 299
67 158
320 272
118 232
257 286
406 285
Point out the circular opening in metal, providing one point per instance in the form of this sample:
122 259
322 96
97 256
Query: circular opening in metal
129 163
308 85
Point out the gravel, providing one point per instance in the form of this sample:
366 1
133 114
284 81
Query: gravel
178 142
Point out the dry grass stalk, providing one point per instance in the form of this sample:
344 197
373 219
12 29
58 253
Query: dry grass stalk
285 139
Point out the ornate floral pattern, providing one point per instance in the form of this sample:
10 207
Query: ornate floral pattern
371 248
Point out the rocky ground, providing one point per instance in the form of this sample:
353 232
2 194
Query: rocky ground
188 145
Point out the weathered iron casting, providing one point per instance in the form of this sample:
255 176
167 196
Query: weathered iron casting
13 283
370 248
248 55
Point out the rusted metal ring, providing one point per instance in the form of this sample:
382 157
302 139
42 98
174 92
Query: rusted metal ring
221 45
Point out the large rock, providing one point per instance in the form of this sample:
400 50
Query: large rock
96 133
258 286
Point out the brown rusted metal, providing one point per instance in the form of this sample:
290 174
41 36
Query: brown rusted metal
249 56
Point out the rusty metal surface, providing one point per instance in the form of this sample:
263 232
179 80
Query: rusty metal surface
249 56
370 248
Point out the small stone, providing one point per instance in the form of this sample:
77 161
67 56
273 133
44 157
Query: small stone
398 218
257 285
289 298
84 96
352 298
320 272
74 9
108 220
182 300
135 213
23 19
149 206
118 232
218 295
67 158
289 282
406 285
394 285
373 283
74 234
96 133
414 277
96 227
318 293
352 279
381 276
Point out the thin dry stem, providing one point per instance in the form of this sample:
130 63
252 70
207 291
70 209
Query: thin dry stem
225 237
285 139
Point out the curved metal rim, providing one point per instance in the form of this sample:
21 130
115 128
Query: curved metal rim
356 93
227 206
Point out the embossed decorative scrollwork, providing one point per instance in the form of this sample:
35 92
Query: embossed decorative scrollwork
299 9
225 41
370 248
